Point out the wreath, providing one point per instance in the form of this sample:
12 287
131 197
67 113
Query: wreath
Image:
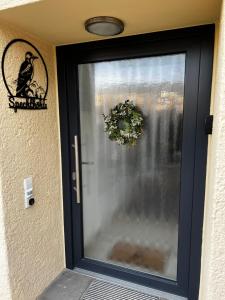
124 124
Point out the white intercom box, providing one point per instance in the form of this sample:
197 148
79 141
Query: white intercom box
28 192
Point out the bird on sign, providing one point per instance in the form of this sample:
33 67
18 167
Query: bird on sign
25 76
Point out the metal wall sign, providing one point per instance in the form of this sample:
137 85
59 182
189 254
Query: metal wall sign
25 76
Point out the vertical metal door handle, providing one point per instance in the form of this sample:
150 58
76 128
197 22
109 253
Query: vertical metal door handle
77 173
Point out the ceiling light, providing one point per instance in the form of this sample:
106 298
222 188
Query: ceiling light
105 26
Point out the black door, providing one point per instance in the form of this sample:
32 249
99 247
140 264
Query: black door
135 211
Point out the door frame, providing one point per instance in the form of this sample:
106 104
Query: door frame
196 42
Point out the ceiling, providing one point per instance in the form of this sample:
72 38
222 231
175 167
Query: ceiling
62 21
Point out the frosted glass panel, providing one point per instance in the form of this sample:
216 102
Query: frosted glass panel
131 194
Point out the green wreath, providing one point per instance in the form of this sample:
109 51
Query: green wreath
124 124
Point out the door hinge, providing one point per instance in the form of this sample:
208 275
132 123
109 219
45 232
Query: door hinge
209 124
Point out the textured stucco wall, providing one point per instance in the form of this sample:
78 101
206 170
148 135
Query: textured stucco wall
5 292
29 145
213 251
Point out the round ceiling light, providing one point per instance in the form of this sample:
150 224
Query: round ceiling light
105 26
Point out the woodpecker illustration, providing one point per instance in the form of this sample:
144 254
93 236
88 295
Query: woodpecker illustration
25 76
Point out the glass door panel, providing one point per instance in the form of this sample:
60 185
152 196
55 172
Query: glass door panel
131 193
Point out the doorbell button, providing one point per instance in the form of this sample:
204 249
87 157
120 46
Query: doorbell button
31 201
28 192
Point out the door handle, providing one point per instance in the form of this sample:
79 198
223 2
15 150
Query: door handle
76 174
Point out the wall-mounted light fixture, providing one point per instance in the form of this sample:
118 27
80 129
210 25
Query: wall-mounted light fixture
106 26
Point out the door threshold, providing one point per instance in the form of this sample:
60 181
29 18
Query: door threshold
126 284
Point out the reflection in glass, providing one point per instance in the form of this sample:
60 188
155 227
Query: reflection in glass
131 194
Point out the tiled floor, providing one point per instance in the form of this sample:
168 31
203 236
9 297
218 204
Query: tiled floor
75 285
68 286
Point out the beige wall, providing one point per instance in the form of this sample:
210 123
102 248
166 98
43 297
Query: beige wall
213 252
4 278
29 145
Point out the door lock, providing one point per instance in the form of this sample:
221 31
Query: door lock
209 124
